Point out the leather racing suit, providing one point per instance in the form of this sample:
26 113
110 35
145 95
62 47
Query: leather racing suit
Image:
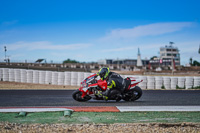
114 81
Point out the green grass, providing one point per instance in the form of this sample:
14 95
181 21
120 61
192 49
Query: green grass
103 117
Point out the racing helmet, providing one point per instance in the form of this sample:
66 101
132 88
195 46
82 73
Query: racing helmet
103 73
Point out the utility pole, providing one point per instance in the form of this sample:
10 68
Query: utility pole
118 63
172 59
5 54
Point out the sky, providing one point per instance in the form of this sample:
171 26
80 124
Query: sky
90 30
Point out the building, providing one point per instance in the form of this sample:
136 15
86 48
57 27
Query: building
129 62
135 62
125 61
105 61
132 62
139 61
168 55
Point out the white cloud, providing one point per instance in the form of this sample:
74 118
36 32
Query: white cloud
147 30
118 49
189 49
135 47
59 54
45 45
7 23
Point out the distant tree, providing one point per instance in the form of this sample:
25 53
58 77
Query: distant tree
190 62
153 57
196 63
199 49
70 61
93 62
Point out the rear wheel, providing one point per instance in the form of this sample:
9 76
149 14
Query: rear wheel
77 96
133 94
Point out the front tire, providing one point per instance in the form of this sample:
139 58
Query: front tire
77 96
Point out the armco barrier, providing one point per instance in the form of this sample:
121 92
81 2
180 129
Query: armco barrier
74 79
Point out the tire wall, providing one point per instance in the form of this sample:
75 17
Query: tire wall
75 78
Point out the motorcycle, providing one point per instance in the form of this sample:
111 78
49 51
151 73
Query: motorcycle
90 86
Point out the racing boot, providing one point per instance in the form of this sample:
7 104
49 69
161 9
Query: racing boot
105 98
97 98
99 93
105 95
102 94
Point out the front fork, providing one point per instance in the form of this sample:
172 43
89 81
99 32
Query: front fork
88 92
83 92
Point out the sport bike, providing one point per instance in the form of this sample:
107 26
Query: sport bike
90 86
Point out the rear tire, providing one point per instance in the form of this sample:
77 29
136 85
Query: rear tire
77 96
133 94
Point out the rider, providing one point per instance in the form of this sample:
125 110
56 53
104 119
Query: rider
114 81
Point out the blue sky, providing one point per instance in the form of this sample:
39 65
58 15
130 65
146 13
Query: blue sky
90 30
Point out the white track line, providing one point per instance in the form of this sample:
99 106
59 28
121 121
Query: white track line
121 109
158 108
33 109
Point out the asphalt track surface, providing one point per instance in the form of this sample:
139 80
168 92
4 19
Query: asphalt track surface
22 98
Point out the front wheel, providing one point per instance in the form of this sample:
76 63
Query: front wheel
133 94
77 96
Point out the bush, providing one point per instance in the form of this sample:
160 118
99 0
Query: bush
197 87
177 87
162 87
70 61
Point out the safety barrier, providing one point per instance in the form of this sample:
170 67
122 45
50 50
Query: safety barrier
67 78
60 78
74 79
143 84
150 82
158 82
48 77
36 77
54 80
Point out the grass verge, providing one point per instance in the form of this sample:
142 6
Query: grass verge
102 117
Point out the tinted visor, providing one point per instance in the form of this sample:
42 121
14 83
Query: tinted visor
101 75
